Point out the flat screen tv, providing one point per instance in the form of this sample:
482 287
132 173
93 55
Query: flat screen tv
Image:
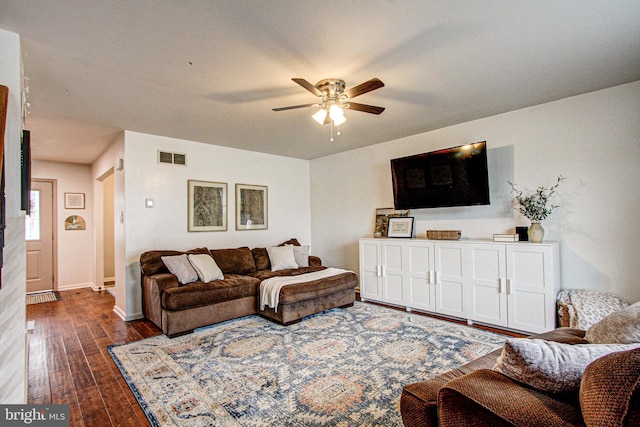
454 176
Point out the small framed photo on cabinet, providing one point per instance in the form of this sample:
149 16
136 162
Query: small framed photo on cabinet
400 227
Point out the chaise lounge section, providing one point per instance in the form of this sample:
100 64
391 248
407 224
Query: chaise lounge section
180 308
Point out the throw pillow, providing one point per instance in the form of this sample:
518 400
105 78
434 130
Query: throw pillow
301 254
180 267
548 365
621 327
206 267
282 258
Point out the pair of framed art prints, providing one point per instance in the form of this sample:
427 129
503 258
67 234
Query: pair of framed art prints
208 206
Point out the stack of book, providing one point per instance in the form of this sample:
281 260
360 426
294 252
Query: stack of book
505 238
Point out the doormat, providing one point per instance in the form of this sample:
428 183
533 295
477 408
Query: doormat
43 297
343 367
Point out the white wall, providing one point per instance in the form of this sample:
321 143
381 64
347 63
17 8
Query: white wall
108 227
13 384
165 225
591 139
76 263
104 166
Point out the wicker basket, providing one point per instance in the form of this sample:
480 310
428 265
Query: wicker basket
444 234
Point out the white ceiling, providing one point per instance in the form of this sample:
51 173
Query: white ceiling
211 70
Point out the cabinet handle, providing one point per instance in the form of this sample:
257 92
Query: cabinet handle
508 286
435 277
499 285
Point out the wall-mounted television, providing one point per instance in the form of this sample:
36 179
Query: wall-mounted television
456 176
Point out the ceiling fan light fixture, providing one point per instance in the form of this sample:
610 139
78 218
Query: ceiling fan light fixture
319 116
339 120
336 113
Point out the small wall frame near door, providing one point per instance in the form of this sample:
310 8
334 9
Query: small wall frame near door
41 237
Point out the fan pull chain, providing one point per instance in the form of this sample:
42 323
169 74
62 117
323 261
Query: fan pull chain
331 123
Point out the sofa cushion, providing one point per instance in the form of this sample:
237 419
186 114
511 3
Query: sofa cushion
234 261
622 326
206 267
151 261
610 390
266 274
282 258
199 294
180 267
293 241
261 258
502 402
547 365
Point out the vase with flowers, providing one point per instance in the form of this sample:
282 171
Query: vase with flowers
536 207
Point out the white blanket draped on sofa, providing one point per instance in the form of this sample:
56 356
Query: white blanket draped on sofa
270 288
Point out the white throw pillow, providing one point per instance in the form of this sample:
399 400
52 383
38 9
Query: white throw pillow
622 326
282 258
550 366
180 266
206 267
301 254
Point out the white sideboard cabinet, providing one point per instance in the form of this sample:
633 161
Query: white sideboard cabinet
510 285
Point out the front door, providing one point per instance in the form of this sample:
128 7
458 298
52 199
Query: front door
40 238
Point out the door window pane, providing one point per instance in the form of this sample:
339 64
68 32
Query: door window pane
32 228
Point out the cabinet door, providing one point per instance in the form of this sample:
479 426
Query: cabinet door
370 270
450 260
421 290
530 273
488 294
393 262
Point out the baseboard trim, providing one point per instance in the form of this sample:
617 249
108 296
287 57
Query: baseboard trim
121 314
76 286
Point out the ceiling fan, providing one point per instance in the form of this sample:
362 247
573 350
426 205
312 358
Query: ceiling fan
334 99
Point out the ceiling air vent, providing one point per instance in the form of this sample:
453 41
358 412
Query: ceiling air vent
172 158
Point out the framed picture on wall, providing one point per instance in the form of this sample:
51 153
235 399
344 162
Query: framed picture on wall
74 200
400 227
251 207
207 206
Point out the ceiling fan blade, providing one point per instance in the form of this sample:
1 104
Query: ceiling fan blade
308 86
293 107
364 108
365 87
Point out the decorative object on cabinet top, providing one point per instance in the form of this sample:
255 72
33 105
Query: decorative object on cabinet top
382 219
444 234
536 206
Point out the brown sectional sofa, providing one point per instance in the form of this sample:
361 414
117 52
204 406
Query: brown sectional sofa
178 309
474 394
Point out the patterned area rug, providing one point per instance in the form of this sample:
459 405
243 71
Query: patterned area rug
42 297
344 367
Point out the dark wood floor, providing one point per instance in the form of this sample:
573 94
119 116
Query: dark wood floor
69 363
